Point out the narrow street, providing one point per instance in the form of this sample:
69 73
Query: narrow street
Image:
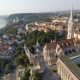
48 71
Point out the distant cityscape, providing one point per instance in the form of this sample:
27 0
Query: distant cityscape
40 46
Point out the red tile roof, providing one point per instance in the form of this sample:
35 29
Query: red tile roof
78 32
5 48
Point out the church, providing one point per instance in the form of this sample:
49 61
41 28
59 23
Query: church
64 47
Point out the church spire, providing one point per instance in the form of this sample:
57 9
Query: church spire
71 16
71 25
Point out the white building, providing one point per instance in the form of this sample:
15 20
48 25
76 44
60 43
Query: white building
71 26
19 73
33 58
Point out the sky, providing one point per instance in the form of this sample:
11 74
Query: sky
8 7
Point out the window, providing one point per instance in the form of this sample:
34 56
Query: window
66 53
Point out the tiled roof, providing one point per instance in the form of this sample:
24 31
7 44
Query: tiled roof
5 48
45 29
66 43
78 32
51 45
63 44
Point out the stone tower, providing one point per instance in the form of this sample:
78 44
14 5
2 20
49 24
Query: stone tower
71 26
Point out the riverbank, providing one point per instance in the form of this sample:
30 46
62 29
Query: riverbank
2 22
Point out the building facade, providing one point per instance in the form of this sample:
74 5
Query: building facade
61 52
33 57
65 72
64 47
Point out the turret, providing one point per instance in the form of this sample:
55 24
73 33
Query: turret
37 43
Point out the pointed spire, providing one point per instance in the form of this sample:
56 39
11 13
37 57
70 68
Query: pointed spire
71 16
71 25
37 43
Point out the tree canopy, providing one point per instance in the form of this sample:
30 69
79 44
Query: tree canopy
37 76
26 75
22 60
8 68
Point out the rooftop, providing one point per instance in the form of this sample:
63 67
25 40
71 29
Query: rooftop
63 44
71 65
50 46
5 48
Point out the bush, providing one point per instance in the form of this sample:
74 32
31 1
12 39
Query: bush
54 71
37 76
8 68
3 63
26 75
22 60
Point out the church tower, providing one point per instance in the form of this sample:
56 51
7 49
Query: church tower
71 26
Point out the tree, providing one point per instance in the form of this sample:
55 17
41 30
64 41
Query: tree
23 56
11 30
8 68
31 49
37 76
3 63
26 75
19 61
0 70
17 53
22 60
25 78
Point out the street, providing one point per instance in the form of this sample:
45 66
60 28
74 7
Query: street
48 71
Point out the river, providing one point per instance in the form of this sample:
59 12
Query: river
2 22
